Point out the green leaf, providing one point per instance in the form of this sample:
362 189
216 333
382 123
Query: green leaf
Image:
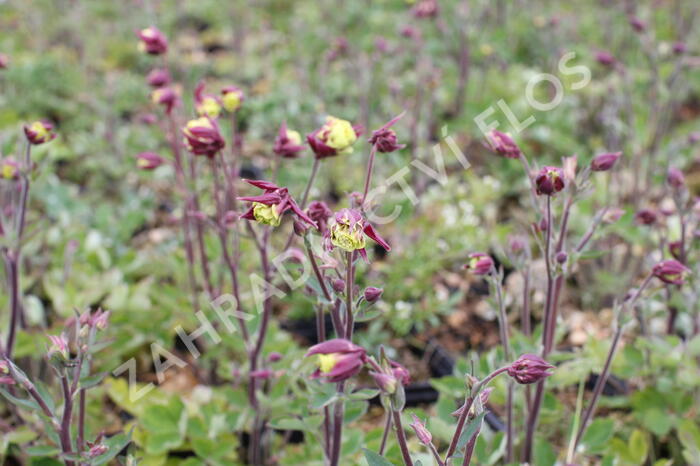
544 454
638 446
115 444
597 434
43 450
374 459
470 430
364 394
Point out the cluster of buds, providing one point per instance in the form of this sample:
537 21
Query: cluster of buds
529 368
671 271
338 360
349 230
203 137
59 348
503 144
231 98
153 42
149 160
206 105
268 207
384 139
335 137
605 162
97 319
479 264
288 143
39 132
549 181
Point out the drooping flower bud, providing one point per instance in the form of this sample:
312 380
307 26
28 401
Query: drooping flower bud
605 162
400 372
384 139
149 160
153 42
232 98
203 137
503 144
674 247
338 359
671 271
288 143
372 294
561 257
387 383
479 263
335 137
39 132
158 77
424 436
549 181
645 217
274 357
529 368
675 178
166 97
338 285
319 212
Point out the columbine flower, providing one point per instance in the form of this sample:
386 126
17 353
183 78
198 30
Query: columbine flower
206 105
319 212
288 143
166 97
268 208
529 368
39 132
605 162
479 263
384 139
372 294
503 144
424 436
675 178
645 217
550 180
149 160
59 346
349 231
203 137
671 271
338 359
158 77
153 41
9 169
335 137
232 98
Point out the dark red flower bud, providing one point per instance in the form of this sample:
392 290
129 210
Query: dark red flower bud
503 144
679 48
372 294
319 212
39 132
203 137
605 162
550 180
675 178
529 368
637 24
605 58
153 41
645 217
149 160
338 285
561 257
158 77
671 271
479 263
674 247
274 357
288 143
166 97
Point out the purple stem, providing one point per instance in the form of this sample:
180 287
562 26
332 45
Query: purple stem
401 438
368 176
66 444
385 435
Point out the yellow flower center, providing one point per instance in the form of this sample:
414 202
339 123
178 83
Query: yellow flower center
338 134
266 214
8 171
40 130
148 33
231 101
346 238
326 362
209 107
294 137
